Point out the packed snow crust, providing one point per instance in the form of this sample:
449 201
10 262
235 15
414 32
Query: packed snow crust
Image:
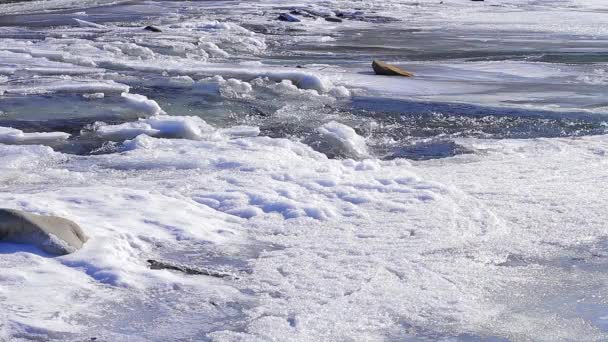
430 244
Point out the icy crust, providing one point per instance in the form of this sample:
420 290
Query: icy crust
365 249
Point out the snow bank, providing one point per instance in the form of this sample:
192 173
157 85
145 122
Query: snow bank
387 239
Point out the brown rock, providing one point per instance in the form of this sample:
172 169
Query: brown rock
381 68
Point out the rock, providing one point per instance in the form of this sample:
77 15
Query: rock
381 68
289 18
333 20
54 235
152 29
160 265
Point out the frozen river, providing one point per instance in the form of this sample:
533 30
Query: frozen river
464 204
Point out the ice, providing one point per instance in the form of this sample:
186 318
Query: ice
142 103
157 126
26 6
214 50
15 136
336 139
217 85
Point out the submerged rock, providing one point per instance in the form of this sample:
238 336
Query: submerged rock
52 234
288 17
381 68
333 20
152 29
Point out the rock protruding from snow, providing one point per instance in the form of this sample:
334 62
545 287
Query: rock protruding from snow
52 234
152 29
381 68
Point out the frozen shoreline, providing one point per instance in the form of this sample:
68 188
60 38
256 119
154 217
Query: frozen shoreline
269 152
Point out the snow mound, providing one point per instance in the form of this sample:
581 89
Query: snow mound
217 85
165 126
338 140
142 103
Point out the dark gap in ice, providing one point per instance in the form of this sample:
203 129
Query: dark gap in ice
393 128
78 144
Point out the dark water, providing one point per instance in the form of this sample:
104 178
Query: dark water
393 128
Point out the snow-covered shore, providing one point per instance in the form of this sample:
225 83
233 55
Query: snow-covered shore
323 239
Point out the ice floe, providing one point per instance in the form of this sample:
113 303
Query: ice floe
15 136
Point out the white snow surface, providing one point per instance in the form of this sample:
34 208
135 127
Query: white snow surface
361 246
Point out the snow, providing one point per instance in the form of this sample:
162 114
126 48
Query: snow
157 126
397 239
217 85
142 103
341 140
